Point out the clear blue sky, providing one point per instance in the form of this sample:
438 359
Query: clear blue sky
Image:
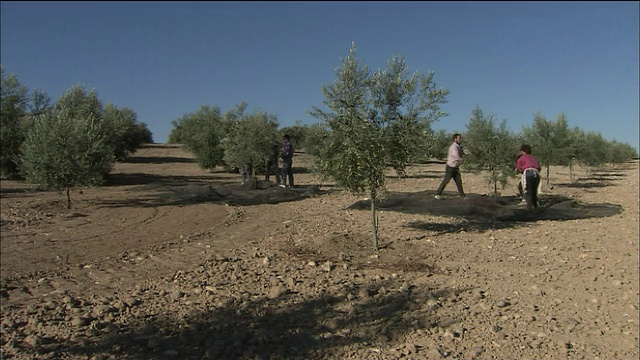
166 59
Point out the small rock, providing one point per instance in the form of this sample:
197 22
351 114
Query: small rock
79 321
327 266
276 291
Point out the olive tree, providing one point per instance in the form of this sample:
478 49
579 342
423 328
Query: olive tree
124 135
201 133
490 146
551 141
62 151
249 141
367 115
13 107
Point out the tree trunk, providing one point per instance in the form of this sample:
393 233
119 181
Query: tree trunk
68 198
571 170
548 174
374 222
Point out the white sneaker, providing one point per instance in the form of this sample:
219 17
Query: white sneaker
281 185
437 197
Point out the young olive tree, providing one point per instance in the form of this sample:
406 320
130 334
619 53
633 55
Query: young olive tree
62 151
551 141
490 147
201 133
592 149
249 141
372 120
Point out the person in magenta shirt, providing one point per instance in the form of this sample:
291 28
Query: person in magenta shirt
529 167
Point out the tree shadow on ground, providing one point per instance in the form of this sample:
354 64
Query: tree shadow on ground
121 179
435 175
301 170
601 176
158 160
234 194
259 326
579 185
481 213
7 191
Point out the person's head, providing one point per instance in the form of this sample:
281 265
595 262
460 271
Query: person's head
525 149
286 138
456 138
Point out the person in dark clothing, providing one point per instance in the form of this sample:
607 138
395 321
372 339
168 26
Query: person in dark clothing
272 163
287 161
246 173
452 169
529 167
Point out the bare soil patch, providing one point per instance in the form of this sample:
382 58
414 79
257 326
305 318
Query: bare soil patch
171 261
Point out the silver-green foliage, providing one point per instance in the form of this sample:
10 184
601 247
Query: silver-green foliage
314 139
491 147
438 145
78 103
551 142
13 103
372 120
591 149
201 133
249 140
62 151
122 131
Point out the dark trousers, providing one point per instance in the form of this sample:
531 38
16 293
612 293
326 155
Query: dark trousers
451 173
287 172
272 167
532 182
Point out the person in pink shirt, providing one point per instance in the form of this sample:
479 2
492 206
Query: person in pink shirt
529 167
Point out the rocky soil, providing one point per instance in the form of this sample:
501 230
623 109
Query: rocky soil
169 261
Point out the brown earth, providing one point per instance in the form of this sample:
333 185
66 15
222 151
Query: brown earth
172 261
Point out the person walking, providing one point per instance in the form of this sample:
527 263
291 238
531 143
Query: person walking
287 161
529 167
452 169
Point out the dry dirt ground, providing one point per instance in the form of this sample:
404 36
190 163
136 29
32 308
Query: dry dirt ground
169 261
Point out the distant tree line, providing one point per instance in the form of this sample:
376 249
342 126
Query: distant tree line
493 147
72 142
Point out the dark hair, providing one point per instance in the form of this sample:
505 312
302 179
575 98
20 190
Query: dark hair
287 137
526 148
455 136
